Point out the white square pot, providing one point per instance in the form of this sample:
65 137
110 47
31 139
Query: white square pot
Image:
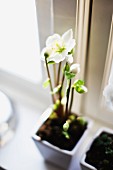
62 158
84 165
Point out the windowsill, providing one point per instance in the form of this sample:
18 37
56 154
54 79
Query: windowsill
21 152
26 92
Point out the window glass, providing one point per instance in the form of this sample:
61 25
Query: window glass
19 41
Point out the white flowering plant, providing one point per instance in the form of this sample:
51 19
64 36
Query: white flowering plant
59 52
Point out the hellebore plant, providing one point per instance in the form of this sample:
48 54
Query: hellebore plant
59 53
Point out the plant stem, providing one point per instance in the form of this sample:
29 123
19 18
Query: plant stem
61 87
68 92
48 73
71 102
59 68
54 68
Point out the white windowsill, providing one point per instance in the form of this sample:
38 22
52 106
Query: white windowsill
24 91
21 152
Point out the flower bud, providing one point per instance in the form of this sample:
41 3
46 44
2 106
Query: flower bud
75 68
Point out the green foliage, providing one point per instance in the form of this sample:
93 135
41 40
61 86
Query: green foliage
46 83
78 83
109 151
66 126
66 134
67 67
103 140
79 86
72 117
56 105
79 89
81 121
106 142
69 75
53 115
67 72
51 62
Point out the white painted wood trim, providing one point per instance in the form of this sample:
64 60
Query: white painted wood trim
82 35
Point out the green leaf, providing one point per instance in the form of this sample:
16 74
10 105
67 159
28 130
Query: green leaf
46 83
79 86
81 89
67 67
66 134
56 89
51 62
78 83
69 75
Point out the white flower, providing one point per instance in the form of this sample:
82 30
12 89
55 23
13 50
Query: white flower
69 59
60 46
46 52
108 94
75 68
56 57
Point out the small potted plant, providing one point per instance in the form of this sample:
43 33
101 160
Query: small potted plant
59 132
99 155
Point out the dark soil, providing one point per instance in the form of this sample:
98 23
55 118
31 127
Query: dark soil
100 154
52 131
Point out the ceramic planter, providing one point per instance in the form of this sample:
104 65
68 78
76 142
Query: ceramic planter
62 158
85 165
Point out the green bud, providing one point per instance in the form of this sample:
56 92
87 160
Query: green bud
46 83
66 126
81 121
46 55
66 134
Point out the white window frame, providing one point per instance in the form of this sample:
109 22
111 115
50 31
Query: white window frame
82 33
96 111
105 113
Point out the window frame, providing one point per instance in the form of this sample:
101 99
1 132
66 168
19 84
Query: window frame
105 113
95 110
18 88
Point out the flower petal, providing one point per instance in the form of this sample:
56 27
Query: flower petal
56 58
67 36
71 45
69 58
45 50
51 39
75 68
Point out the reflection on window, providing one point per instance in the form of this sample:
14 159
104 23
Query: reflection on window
19 46
108 89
